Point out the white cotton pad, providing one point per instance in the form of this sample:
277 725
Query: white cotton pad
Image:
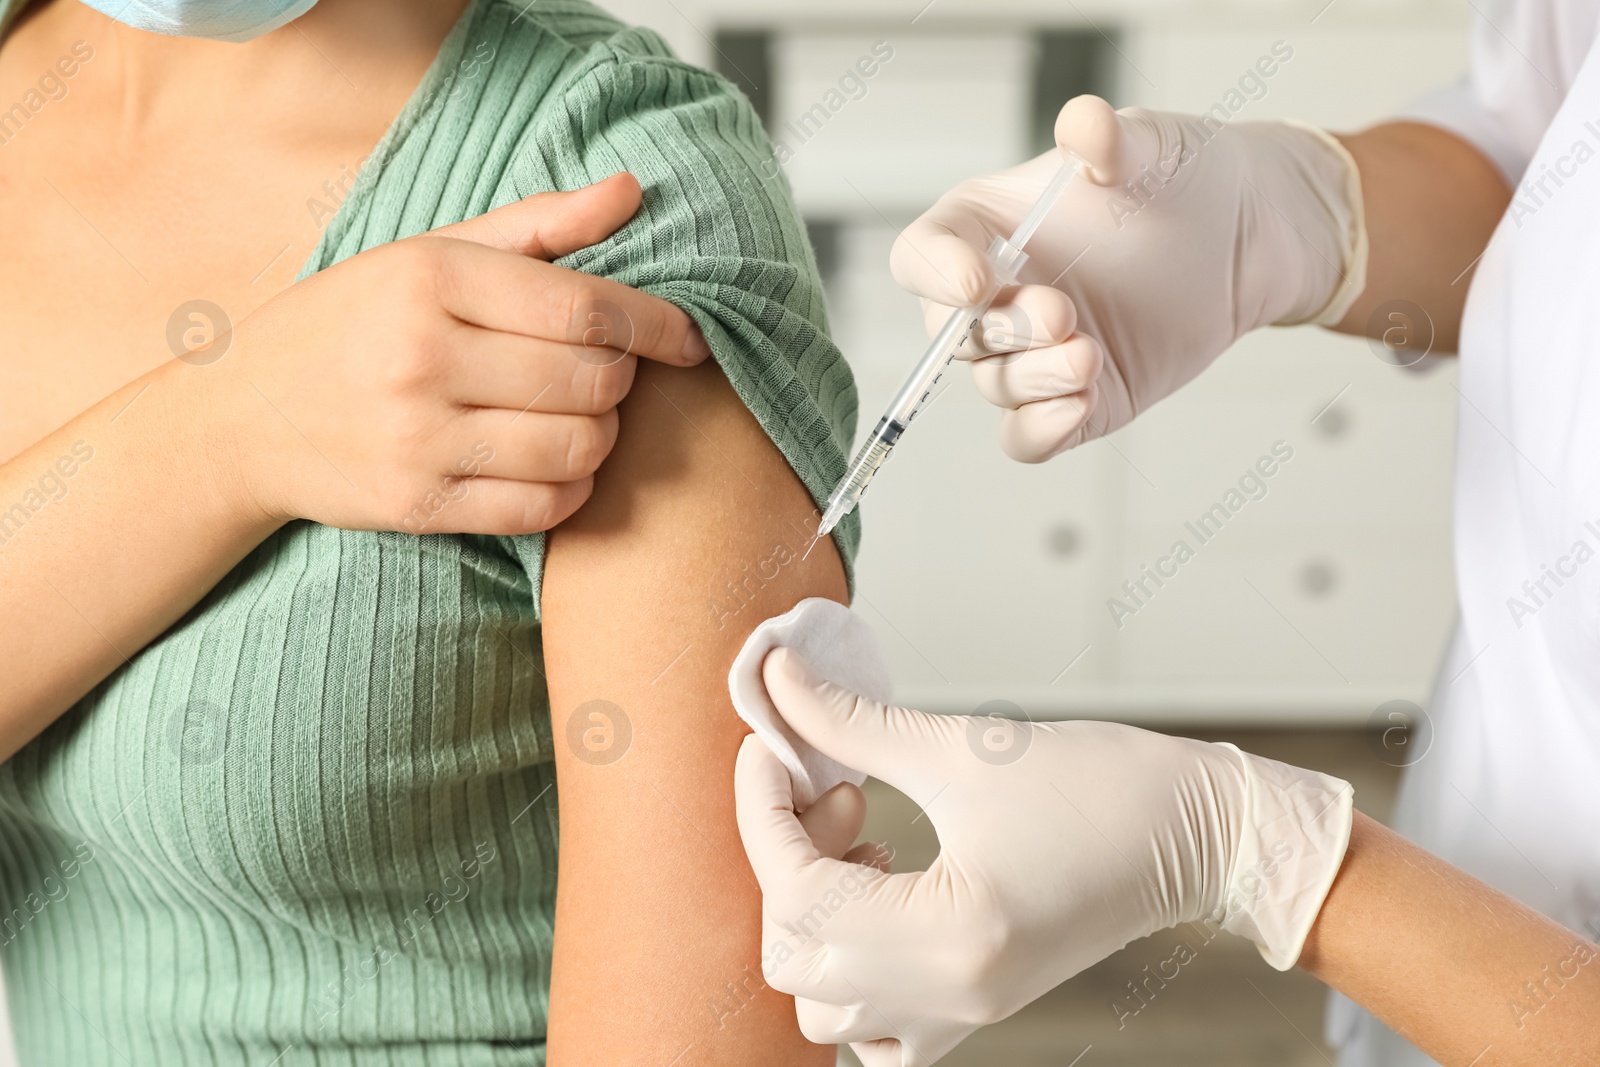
841 648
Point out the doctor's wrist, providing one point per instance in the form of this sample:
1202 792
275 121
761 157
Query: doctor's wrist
1291 842
1314 264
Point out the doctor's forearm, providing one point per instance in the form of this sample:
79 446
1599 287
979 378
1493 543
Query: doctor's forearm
1431 200
1465 973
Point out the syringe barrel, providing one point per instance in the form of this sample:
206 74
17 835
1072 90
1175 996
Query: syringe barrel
871 455
1006 262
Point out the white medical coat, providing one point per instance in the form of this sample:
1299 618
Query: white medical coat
1510 790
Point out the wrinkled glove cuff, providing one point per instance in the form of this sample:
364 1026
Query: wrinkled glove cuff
1348 206
1295 830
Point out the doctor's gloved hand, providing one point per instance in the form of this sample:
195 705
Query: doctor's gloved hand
1059 844
1181 234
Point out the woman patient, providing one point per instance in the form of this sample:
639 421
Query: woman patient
295 684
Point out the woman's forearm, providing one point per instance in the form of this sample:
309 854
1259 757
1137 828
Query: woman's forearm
1431 203
336 402
1463 972
111 528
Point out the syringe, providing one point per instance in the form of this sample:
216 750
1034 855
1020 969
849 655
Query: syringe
1006 260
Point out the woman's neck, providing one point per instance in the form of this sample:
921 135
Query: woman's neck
375 48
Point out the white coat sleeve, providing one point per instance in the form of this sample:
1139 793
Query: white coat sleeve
1525 56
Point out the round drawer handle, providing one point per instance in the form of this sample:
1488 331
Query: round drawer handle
1063 540
1333 423
1318 578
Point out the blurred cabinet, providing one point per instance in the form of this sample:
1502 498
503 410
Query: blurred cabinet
1328 593
938 107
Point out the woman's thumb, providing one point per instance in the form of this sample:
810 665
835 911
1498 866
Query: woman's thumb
551 225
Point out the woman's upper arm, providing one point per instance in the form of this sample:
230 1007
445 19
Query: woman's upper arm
694 536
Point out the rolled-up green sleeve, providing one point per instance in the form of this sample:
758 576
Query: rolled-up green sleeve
718 235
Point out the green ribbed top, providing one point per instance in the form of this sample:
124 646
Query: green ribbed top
317 819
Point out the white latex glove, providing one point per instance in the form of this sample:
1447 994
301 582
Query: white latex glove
1059 844
1180 235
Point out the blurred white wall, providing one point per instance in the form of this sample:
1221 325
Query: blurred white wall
987 579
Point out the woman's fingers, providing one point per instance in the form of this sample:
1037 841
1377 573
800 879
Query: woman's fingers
493 506
533 448
512 293
529 374
568 306
378 390
1019 378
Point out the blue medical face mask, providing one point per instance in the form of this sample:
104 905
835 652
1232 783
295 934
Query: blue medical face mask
216 20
